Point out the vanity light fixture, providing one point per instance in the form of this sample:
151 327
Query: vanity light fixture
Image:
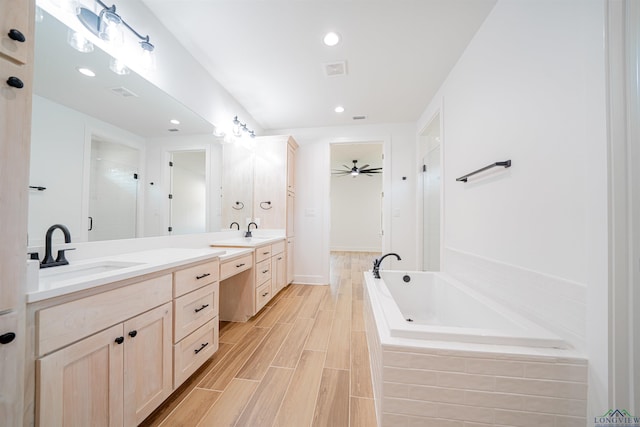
79 42
86 71
238 128
331 39
109 26
118 66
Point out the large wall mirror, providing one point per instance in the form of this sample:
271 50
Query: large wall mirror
100 149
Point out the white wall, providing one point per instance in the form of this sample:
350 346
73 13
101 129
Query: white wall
530 88
356 213
60 141
312 216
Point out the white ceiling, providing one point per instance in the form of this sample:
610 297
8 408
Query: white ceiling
269 53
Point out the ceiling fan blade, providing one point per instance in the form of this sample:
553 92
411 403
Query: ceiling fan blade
348 167
361 168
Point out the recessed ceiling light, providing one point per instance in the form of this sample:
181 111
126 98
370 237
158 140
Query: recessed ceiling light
86 71
331 39
175 122
339 109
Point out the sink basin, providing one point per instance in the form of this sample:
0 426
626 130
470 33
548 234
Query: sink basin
68 272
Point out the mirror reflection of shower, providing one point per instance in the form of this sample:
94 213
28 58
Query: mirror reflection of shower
113 190
430 146
188 192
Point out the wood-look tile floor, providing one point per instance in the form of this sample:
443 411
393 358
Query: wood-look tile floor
301 361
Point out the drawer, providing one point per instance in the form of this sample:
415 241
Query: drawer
277 248
263 271
192 278
235 266
262 253
194 309
63 324
263 295
190 353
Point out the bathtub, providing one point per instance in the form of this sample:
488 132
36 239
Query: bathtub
441 354
433 306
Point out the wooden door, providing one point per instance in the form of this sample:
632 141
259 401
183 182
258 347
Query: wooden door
11 364
14 15
291 168
148 363
290 260
278 272
81 385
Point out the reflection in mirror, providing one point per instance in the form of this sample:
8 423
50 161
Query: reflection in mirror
237 183
70 111
113 191
188 192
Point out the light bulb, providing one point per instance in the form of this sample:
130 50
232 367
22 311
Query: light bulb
148 58
118 66
111 28
79 42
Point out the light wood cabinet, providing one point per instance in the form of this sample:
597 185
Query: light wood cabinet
11 360
290 260
113 378
291 168
196 308
278 272
15 21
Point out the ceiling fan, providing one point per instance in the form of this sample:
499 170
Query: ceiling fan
355 170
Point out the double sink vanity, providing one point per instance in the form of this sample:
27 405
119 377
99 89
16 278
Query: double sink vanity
111 338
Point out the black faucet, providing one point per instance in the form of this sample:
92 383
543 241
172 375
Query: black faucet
231 226
60 259
377 262
248 233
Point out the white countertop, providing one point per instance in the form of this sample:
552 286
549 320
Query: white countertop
57 281
248 242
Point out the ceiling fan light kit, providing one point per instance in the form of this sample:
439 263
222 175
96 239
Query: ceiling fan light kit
354 171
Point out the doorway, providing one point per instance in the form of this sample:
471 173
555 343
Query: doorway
356 197
431 195
113 191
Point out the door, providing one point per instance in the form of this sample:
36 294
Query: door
81 385
148 363
113 191
278 272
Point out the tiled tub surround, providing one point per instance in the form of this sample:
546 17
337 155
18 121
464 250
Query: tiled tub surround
456 384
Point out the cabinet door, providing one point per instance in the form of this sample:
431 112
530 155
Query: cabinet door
148 363
290 212
15 113
278 272
81 385
11 361
14 15
290 249
291 169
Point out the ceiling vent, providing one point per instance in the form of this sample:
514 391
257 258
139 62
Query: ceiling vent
333 69
123 91
173 130
359 117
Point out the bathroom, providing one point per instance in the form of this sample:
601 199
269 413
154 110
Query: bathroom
533 85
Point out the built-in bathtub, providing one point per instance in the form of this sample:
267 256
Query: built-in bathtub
443 354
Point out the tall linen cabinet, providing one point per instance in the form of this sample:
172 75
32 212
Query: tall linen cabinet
16 75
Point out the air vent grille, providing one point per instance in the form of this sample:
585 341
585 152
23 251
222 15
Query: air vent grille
359 117
334 69
123 91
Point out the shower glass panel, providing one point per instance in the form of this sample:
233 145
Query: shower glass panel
188 192
431 210
113 191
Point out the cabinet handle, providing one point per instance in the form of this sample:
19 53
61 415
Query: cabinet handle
119 340
15 82
279 258
202 308
133 334
265 253
265 271
239 265
202 276
7 338
265 294
16 35
201 347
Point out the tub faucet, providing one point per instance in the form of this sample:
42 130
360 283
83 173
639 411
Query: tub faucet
60 258
231 226
377 262
248 233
